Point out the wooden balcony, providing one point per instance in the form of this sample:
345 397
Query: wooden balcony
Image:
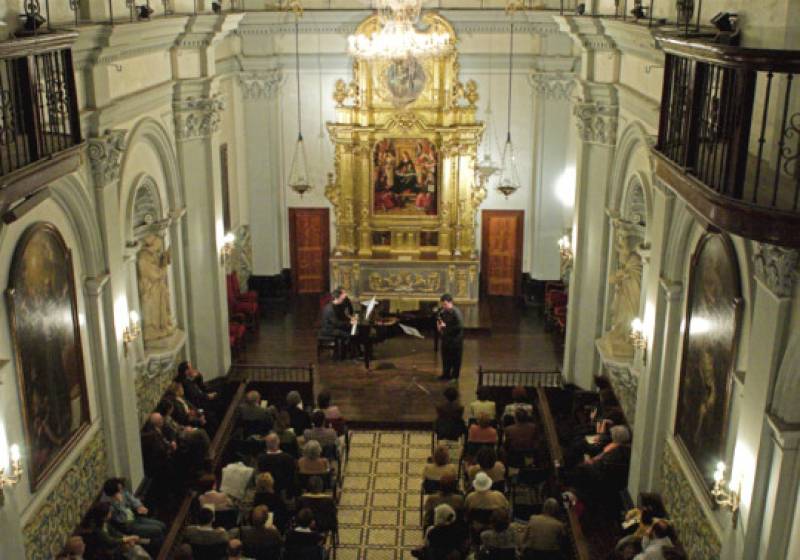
40 134
729 136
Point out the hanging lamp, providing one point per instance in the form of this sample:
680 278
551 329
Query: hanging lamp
487 165
509 180
299 178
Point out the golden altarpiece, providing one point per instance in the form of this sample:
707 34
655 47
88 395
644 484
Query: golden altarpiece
404 188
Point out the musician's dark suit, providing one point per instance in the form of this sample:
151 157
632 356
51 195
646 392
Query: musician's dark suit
452 342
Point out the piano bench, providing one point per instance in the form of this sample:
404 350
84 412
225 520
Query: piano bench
329 343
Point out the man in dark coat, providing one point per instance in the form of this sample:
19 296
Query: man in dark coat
334 322
450 324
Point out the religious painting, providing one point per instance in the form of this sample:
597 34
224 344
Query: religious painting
709 353
405 80
45 329
405 177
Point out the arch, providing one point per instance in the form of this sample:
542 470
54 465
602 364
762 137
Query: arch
632 139
144 204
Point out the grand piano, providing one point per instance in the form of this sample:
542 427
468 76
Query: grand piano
384 324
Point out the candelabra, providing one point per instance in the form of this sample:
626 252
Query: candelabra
724 494
15 472
132 331
227 247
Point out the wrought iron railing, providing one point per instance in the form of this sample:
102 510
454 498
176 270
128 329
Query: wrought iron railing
38 105
730 118
523 378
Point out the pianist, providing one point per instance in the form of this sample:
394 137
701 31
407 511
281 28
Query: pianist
335 323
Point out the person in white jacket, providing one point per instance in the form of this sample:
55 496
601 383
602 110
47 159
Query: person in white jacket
654 542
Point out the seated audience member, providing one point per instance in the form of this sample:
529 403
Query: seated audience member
280 464
184 412
484 498
193 443
74 549
312 461
259 540
235 549
482 431
450 416
183 552
299 419
194 387
521 436
448 494
486 462
157 449
326 437
204 534
545 534
265 496
129 515
440 466
519 399
110 542
654 542
216 500
446 538
499 536
607 471
616 452
303 535
321 504
482 404
254 419
332 412
286 436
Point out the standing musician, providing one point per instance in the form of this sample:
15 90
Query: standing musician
336 320
450 324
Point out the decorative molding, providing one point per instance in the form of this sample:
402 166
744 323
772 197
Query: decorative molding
556 86
264 84
93 285
340 28
597 123
776 267
61 511
198 117
105 156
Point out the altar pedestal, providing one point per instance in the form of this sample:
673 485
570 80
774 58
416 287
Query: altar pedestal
399 279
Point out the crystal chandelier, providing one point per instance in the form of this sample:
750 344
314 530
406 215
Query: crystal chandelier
299 180
509 181
398 36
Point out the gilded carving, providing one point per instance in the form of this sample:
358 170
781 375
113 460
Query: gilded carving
419 282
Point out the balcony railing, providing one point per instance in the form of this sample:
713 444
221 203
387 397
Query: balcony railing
730 122
38 106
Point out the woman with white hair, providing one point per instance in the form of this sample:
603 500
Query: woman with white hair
312 461
447 537
619 448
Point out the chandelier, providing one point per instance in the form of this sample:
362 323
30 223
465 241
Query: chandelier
299 180
508 183
398 36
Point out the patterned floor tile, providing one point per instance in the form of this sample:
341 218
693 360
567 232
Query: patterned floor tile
386 483
419 439
348 553
358 467
382 517
411 537
382 537
418 453
390 453
361 453
362 438
354 482
389 500
391 438
393 467
353 499
353 516
348 535
380 554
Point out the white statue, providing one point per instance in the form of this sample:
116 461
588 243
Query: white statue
153 266
627 281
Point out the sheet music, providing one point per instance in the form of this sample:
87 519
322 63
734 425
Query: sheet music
411 331
354 329
370 306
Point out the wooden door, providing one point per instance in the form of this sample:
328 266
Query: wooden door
308 239
501 254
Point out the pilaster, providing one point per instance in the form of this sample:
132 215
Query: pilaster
197 108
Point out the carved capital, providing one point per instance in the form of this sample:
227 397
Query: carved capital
556 86
597 124
105 156
776 267
198 117
263 85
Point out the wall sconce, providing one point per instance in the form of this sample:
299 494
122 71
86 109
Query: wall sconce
132 331
226 252
637 334
565 248
724 494
16 471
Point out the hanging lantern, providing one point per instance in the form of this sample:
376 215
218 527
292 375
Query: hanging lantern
509 180
299 178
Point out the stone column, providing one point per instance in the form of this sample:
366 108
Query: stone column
596 119
551 106
775 268
647 449
197 114
107 315
262 129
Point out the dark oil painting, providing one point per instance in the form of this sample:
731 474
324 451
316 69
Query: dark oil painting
405 177
49 360
709 353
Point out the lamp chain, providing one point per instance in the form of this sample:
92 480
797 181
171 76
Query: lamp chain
297 75
510 69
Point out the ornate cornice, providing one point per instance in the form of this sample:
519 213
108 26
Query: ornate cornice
198 117
776 267
105 156
264 84
597 123
555 86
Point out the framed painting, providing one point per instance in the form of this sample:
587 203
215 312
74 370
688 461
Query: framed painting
713 311
44 324
405 177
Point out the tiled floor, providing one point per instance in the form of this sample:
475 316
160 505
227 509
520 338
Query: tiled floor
379 508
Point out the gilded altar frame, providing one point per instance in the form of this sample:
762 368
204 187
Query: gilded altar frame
443 112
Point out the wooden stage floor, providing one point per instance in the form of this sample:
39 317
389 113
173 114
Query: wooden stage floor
401 387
